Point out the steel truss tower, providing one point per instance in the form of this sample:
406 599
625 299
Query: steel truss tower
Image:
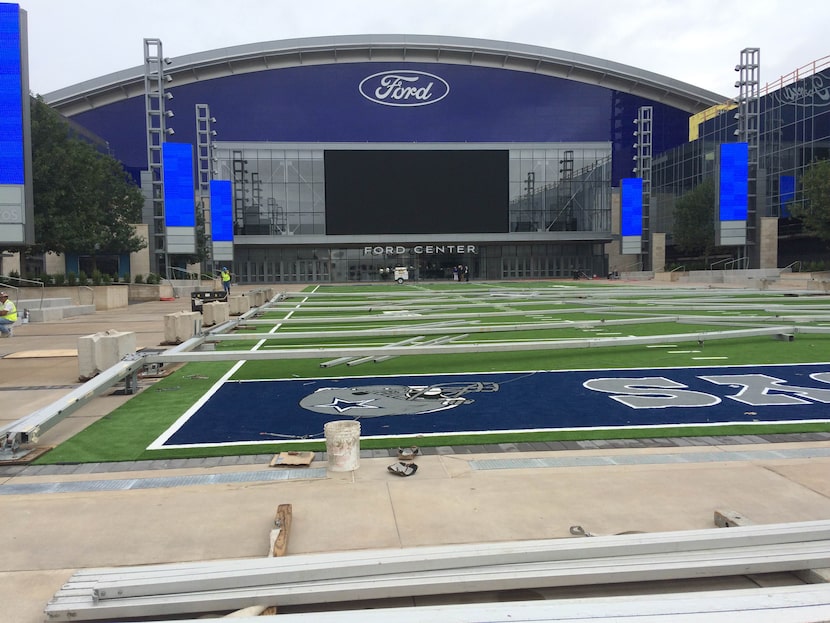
642 169
748 116
155 99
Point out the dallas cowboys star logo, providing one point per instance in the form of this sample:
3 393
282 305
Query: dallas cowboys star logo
341 406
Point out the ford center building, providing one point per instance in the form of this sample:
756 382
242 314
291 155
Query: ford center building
347 156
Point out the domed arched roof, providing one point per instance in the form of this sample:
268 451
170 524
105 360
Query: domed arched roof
286 53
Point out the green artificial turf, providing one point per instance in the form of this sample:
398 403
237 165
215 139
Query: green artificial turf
124 434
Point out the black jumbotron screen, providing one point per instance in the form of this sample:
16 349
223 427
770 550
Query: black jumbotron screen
416 192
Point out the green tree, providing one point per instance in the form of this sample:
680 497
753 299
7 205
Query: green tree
694 220
814 211
84 201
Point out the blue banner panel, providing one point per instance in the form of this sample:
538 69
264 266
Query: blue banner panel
297 409
325 103
11 97
221 211
179 201
631 199
786 193
733 181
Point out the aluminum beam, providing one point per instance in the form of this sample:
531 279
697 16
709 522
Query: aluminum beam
440 349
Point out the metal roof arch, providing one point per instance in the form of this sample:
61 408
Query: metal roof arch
267 56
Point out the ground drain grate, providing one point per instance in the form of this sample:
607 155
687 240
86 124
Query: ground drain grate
650 459
125 484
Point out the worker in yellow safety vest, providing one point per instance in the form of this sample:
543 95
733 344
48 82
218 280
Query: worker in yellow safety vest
226 279
8 314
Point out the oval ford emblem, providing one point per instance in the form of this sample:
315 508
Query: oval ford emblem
404 87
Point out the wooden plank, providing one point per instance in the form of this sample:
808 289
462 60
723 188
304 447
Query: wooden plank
665 566
292 458
283 522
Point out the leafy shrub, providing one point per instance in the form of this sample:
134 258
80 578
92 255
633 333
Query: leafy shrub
71 279
139 278
97 277
82 278
60 279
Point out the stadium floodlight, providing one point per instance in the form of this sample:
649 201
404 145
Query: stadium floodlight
169 113
213 132
168 96
168 77
168 60
213 119
170 131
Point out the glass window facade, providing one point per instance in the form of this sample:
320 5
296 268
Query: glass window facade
561 189
794 131
258 264
556 218
279 191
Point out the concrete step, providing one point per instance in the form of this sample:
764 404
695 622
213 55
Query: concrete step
41 303
52 314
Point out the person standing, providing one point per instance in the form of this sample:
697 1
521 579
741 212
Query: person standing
226 280
8 314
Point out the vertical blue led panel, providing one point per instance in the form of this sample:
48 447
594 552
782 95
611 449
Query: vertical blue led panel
11 97
733 187
221 211
179 197
632 206
221 220
732 194
16 200
786 193
631 215
179 202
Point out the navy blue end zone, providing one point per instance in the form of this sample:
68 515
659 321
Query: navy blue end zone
245 412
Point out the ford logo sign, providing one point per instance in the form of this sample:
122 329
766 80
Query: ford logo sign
404 87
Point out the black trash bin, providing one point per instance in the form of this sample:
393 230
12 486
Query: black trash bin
197 299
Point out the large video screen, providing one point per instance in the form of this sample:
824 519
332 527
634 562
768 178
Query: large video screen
416 192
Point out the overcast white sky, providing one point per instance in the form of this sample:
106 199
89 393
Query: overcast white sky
698 42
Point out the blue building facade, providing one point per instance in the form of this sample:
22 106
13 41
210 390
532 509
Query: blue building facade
351 155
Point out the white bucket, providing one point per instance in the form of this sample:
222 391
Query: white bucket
342 445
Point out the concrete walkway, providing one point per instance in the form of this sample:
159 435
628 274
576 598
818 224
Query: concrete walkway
57 519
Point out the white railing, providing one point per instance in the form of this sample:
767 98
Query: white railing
21 280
